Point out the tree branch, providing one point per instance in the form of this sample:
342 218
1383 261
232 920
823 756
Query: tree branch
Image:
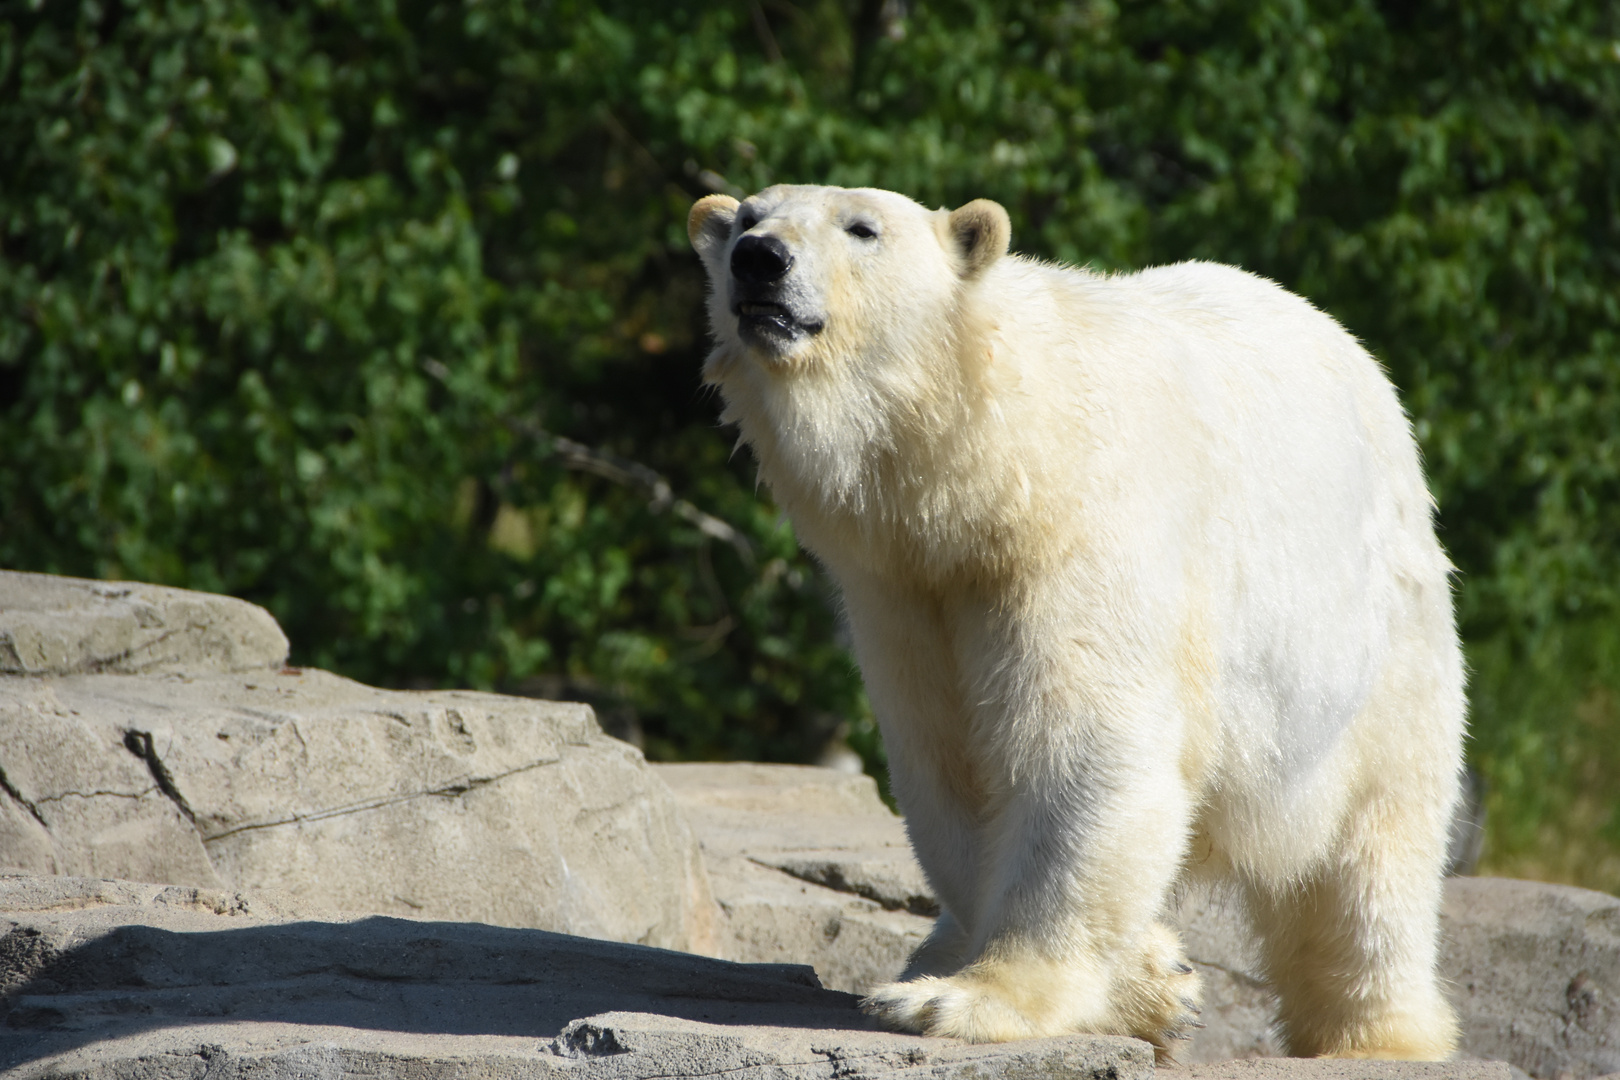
633 474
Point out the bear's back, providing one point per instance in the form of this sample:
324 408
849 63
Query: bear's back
1218 427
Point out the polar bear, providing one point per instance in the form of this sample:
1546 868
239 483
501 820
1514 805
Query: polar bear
1143 582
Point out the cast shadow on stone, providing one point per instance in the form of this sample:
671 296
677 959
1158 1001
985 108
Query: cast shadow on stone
378 973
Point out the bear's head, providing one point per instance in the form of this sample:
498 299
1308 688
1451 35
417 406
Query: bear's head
802 274
846 326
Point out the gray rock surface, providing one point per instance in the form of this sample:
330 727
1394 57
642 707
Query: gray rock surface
453 805
1535 971
1238 1006
1328 1069
809 866
121 981
63 626
155 734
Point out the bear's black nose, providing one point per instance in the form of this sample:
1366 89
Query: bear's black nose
760 260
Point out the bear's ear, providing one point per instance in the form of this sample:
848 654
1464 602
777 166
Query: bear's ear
981 231
709 223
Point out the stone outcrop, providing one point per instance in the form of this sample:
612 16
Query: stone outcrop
156 735
809 866
69 626
452 805
1535 971
118 981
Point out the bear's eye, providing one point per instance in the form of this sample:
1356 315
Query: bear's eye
746 222
862 230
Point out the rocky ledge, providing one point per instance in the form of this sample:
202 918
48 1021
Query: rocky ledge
209 762
347 880
115 980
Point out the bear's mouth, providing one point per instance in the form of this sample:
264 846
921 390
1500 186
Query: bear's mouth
763 322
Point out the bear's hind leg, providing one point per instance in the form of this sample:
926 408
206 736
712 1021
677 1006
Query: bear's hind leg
1351 950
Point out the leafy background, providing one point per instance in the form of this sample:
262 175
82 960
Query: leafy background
381 314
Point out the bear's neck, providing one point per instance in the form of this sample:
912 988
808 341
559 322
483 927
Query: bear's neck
903 463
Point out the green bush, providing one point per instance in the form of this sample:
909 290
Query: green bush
296 301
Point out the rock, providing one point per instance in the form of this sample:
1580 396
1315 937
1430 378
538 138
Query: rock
453 805
1238 1007
1536 974
645 1046
852 943
117 981
1534 971
154 734
64 626
1329 1069
808 866
783 791
25 842
95 804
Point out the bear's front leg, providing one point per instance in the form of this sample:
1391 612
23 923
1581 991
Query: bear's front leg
1083 834
1071 946
904 642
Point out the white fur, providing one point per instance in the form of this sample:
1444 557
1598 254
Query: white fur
1143 583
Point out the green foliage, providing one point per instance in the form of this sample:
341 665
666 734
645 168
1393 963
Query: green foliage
291 295
1546 723
287 295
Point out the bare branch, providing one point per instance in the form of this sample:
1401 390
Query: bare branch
633 474
762 28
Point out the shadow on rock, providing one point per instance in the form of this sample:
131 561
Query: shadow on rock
66 984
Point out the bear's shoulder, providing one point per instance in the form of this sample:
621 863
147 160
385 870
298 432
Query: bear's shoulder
1196 299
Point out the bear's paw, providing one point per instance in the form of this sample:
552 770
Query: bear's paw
1153 996
961 1006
